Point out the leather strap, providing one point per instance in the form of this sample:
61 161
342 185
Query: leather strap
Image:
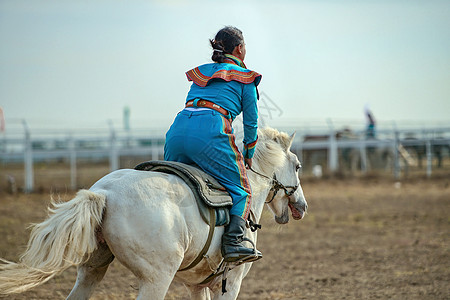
207 104
212 225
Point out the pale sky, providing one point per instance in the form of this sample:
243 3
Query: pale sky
79 63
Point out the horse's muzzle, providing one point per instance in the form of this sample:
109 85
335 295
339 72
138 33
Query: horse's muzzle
298 210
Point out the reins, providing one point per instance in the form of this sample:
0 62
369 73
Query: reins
276 185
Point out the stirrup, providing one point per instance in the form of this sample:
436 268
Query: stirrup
252 257
248 258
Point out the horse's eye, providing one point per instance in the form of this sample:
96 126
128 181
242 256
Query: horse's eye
297 167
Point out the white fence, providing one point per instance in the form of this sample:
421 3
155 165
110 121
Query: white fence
404 147
401 149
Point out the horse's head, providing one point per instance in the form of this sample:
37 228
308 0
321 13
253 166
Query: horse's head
274 157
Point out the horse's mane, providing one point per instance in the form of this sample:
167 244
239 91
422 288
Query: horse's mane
271 149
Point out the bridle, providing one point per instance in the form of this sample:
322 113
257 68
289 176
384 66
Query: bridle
276 186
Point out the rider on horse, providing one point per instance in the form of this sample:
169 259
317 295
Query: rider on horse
202 134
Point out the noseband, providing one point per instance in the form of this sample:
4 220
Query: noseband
276 186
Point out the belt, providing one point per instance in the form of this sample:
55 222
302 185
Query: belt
207 104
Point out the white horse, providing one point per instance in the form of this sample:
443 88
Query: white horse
150 222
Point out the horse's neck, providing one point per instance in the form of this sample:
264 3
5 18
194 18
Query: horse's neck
260 191
258 201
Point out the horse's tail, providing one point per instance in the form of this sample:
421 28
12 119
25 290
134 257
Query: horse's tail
66 238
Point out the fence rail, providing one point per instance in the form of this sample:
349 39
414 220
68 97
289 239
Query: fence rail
329 149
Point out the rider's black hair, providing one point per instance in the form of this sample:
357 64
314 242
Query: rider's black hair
225 41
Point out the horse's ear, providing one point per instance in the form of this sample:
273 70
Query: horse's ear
293 136
291 140
284 140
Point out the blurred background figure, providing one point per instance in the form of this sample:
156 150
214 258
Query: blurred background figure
2 121
370 130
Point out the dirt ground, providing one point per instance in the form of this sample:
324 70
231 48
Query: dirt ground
362 239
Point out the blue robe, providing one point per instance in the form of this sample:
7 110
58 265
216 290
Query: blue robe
205 138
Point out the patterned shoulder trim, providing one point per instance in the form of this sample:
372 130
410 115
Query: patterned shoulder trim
228 75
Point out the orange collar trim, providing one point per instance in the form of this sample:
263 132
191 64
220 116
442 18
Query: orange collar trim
228 75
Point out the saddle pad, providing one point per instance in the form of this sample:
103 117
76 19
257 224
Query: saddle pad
208 192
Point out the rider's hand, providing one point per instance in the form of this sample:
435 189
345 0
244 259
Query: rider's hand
248 162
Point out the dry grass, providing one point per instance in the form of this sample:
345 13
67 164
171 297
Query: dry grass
362 239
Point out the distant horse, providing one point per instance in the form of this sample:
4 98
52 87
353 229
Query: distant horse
419 150
379 156
150 222
348 157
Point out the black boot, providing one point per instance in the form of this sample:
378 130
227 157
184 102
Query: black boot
232 248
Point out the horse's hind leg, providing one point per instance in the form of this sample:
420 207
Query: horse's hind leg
91 273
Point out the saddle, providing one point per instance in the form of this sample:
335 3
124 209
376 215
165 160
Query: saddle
213 201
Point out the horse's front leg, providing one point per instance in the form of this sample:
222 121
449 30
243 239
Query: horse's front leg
198 293
233 286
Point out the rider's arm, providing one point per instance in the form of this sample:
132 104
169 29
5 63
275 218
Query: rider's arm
250 119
